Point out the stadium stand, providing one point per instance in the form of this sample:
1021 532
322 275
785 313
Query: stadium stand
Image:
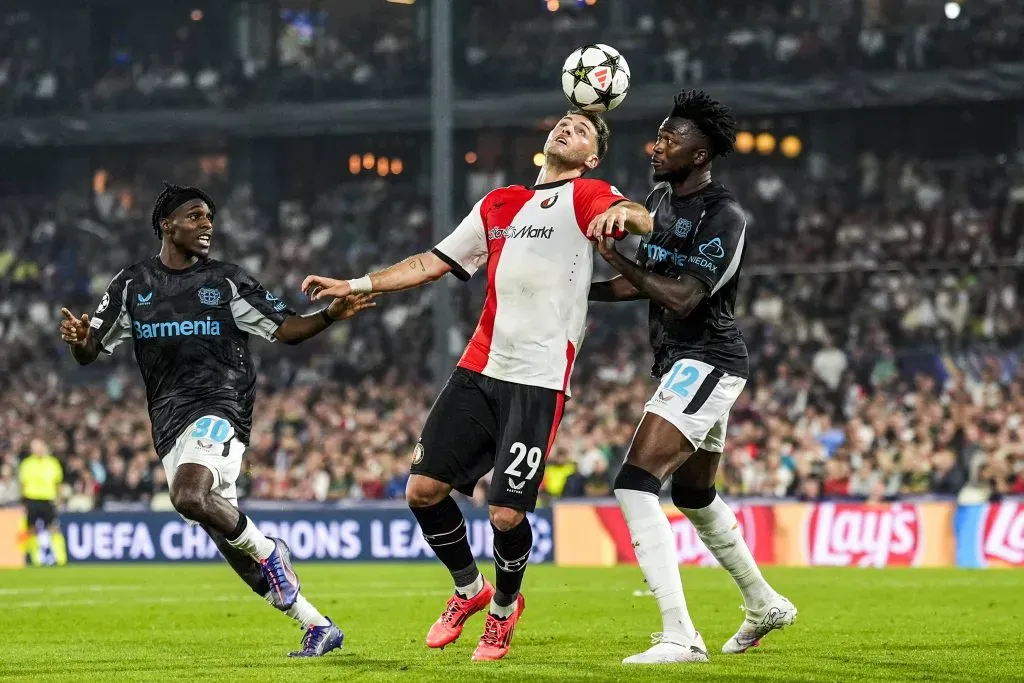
882 294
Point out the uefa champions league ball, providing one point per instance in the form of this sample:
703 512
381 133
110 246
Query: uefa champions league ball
595 78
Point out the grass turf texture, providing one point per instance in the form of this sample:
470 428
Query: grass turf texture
198 622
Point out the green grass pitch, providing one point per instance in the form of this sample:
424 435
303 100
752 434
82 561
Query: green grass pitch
198 623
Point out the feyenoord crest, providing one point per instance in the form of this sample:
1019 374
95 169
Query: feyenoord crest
417 454
549 202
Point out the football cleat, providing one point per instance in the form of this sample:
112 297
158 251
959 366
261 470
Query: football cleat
448 627
319 640
279 573
775 613
673 649
497 638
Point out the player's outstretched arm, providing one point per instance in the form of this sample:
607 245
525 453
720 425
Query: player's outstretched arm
77 334
298 328
412 272
679 296
618 220
616 289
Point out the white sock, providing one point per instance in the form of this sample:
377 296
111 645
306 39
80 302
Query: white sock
717 527
473 589
503 611
655 548
253 543
303 612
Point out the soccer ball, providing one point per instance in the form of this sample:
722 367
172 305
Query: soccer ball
595 78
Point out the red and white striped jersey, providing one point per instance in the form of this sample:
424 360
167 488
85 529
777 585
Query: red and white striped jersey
539 266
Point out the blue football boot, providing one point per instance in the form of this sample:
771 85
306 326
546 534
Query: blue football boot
319 640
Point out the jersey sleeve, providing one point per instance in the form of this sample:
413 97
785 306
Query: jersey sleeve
111 323
716 253
652 204
465 249
593 197
255 310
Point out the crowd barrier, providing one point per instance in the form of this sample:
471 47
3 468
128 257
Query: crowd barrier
918 534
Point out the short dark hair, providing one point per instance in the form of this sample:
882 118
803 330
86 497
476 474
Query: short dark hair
174 196
600 125
714 120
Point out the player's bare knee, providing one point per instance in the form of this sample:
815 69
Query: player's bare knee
505 519
421 492
189 502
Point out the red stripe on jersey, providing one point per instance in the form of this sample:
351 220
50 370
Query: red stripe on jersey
559 408
570 357
498 210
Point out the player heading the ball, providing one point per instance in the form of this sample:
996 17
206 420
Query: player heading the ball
689 269
503 403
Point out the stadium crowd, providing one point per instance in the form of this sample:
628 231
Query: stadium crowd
174 57
888 369
675 42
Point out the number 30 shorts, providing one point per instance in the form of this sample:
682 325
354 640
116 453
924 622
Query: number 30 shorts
696 398
209 441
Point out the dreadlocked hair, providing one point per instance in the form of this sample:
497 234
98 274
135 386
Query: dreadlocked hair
711 117
174 196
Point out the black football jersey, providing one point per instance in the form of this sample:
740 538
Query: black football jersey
702 235
191 332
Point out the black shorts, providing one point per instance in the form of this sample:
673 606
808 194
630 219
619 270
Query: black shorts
36 510
478 423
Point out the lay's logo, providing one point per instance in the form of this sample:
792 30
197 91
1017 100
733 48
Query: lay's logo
1003 534
856 535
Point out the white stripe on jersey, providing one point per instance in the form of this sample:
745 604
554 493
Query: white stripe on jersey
734 262
122 327
248 319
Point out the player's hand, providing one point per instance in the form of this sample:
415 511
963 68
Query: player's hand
318 287
74 331
347 306
611 223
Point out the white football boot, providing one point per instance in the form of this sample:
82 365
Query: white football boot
675 651
775 613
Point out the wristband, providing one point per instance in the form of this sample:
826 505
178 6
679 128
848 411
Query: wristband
327 317
361 285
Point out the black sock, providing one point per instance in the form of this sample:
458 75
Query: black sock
444 529
511 553
243 521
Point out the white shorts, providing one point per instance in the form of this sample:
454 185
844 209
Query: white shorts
696 398
209 441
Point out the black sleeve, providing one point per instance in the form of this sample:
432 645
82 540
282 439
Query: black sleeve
716 253
111 323
255 310
652 203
